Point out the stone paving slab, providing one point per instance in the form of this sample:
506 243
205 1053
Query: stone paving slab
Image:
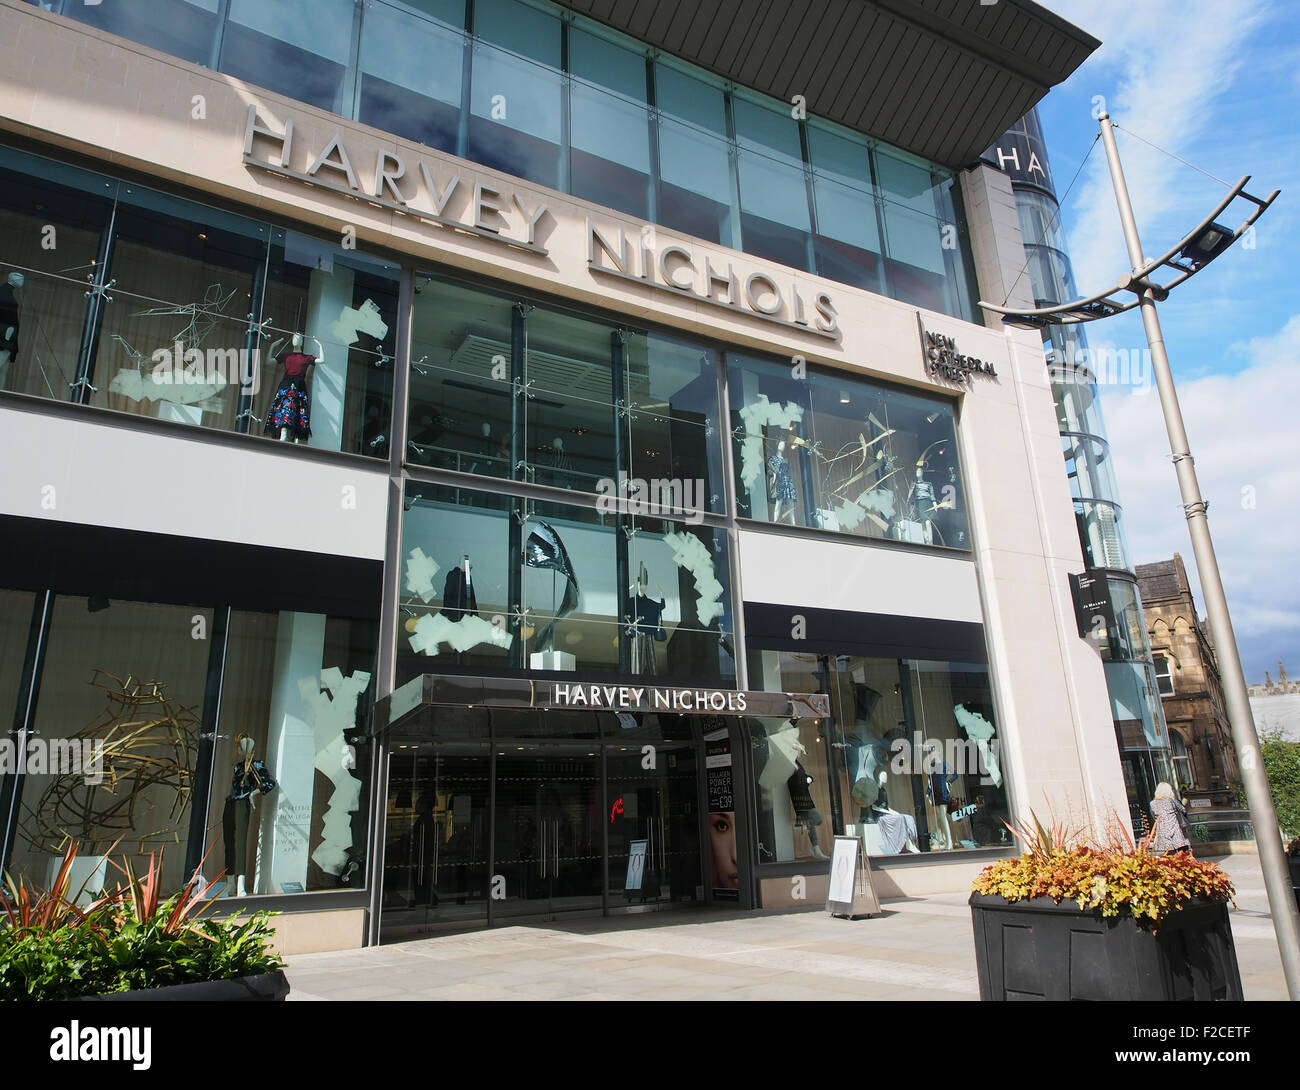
918 948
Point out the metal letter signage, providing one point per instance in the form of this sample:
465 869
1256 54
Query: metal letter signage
491 213
943 361
676 269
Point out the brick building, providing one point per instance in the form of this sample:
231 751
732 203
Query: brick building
1191 691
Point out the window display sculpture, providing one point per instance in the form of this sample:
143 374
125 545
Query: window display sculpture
854 484
150 747
137 384
544 549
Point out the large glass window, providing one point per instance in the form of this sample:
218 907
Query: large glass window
835 452
184 276
847 245
182 28
510 390
122 686
695 179
277 45
517 96
52 223
914 224
494 583
411 72
338 307
563 101
1101 534
609 160
1088 466
287 811
124 760
910 759
774 217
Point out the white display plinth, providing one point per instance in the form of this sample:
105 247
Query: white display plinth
552 660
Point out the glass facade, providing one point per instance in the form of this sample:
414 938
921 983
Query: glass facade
216 739
837 452
909 760
539 93
132 300
496 584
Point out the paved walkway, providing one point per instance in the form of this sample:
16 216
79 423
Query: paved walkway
920 948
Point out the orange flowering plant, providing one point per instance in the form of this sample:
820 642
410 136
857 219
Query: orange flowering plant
1113 878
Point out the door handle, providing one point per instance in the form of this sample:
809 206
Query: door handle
542 846
556 846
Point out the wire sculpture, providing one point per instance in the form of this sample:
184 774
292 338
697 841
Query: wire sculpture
148 742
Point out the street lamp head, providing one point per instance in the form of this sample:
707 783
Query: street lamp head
1207 245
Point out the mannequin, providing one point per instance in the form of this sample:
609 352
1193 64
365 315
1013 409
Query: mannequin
805 810
780 485
289 412
941 777
458 590
250 779
9 322
645 623
560 462
980 731
897 831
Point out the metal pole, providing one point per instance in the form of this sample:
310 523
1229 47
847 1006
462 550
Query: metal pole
1277 879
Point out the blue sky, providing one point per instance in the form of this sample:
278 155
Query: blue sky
1216 82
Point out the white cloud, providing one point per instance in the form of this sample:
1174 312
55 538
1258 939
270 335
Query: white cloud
1242 431
1160 69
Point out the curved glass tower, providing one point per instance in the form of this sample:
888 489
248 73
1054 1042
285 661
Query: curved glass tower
1130 673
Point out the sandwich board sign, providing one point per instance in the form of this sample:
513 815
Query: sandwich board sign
851 892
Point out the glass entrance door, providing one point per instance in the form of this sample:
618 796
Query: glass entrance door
654 824
549 834
436 844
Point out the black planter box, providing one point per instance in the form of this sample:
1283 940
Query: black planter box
1294 862
264 988
1037 949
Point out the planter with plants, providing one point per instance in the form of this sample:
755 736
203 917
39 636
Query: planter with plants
131 943
1072 919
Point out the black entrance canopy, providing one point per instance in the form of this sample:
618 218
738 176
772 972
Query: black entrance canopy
402 706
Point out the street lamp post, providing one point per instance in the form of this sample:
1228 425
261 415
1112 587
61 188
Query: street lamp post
1190 256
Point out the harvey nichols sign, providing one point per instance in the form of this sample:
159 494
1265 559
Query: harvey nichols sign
501 215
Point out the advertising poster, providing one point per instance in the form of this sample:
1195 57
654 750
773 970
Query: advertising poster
722 814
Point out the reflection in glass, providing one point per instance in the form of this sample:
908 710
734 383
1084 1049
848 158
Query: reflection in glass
269 43
516 109
609 125
181 28
410 74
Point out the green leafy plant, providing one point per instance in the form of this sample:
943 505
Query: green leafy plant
1282 766
128 938
1113 878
